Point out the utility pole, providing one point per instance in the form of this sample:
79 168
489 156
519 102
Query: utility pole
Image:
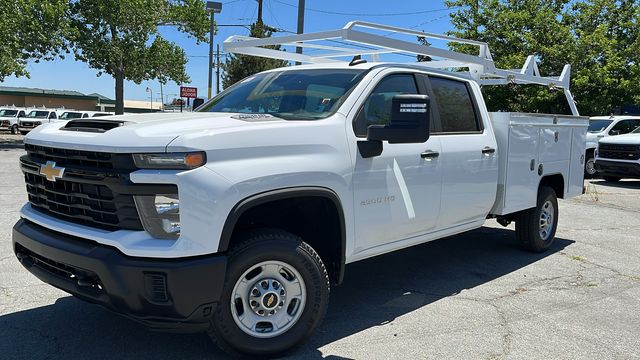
217 69
259 10
300 22
213 7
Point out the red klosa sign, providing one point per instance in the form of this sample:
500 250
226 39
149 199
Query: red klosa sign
188 92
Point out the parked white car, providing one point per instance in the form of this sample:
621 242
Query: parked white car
601 127
9 117
237 219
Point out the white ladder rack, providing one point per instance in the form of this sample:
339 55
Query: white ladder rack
356 38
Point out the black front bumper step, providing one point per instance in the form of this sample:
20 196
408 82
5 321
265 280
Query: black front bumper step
164 294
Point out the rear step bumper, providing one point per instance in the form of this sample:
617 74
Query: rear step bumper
164 294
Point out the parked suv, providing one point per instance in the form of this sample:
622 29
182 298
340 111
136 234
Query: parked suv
619 157
9 118
601 127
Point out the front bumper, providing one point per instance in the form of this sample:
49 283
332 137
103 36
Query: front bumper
164 294
617 168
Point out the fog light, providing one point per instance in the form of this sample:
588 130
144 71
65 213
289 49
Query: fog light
160 214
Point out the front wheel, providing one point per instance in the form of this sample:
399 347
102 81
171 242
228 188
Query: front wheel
276 292
536 227
14 129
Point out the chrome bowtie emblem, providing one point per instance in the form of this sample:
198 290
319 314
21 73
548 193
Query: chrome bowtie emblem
50 171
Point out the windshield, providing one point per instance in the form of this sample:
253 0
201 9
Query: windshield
598 125
70 115
8 113
38 114
290 95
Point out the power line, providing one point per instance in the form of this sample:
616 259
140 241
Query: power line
364 14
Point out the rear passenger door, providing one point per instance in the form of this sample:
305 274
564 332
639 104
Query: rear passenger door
469 153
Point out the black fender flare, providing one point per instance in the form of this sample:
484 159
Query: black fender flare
280 194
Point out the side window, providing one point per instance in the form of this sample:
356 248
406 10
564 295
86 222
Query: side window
377 108
21 114
622 127
52 116
457 112
85 115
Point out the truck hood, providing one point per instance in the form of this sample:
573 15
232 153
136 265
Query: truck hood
143 132
626 139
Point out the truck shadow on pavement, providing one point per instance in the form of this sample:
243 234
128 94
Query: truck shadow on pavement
624 184
374 293
9 144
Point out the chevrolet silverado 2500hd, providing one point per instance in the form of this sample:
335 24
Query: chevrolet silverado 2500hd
601 127
237 218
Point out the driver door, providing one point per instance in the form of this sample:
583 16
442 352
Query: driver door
397 194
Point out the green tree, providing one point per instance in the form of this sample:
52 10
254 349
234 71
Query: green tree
121 38
238 67
599 38
30 30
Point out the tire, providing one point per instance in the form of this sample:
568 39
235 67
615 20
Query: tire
611 178
296 261
24 132
14 129
589 166
530 222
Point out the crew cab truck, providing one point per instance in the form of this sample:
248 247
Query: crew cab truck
237 218
619 157
601 127
9 118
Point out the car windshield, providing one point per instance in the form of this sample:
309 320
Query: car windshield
70 115
38 114
8 112
290 95
598 125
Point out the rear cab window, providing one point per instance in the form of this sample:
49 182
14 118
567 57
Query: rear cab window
456 106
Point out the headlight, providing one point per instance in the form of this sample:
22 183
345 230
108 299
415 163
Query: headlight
160 215
177 161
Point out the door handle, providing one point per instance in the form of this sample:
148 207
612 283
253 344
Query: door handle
429 154
488 150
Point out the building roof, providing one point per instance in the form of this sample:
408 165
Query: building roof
24 91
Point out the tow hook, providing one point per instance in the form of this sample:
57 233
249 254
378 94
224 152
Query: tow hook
24 259
503 221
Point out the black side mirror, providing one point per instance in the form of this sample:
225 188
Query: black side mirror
409 123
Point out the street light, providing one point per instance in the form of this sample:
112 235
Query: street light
150 97
214 8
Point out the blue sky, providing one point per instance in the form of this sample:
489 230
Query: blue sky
69 74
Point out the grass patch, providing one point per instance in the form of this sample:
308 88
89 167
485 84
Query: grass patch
578 258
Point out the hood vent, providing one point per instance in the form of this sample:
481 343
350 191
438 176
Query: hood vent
86 125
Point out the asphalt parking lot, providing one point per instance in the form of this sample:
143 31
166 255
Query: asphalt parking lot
472 296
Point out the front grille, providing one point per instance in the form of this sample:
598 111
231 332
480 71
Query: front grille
93 191
6 123
619 151
26 123
83 203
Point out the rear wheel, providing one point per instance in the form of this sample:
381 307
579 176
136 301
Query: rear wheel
275 294
611 178
536 227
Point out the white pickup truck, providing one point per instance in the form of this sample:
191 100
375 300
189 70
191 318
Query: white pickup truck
9 117
237 218
601 127
619 156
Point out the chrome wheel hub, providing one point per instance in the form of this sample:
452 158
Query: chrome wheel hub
546 220
268 299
